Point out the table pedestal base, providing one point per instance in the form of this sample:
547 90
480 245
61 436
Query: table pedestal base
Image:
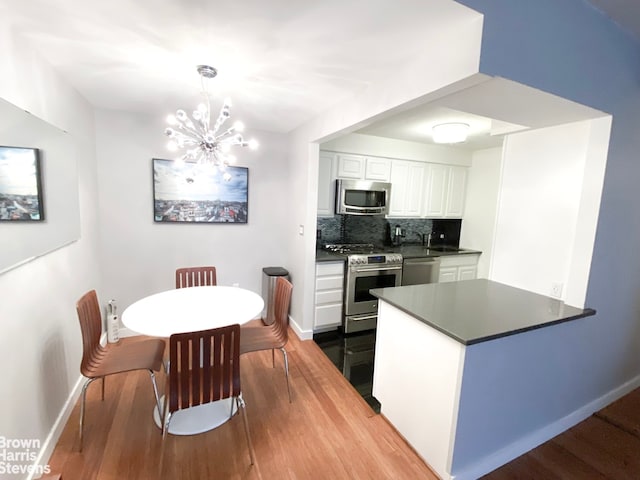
200 419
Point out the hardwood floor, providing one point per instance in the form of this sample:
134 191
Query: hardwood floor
327 432
604 446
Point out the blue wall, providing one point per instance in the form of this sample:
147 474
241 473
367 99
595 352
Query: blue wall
570 49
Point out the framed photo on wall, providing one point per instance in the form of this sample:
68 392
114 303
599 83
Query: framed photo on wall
20 185
192 193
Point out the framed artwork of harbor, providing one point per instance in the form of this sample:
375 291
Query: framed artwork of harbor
20 185
186 192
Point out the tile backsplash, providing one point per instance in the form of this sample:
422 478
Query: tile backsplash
377 230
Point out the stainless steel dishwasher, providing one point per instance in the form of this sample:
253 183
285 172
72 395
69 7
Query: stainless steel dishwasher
416 271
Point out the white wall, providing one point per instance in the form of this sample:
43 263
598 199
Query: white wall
538 208
139 256
434 71
481 203
40 346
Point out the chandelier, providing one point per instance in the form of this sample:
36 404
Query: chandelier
201 141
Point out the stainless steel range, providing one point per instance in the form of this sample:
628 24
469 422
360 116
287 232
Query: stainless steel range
366 268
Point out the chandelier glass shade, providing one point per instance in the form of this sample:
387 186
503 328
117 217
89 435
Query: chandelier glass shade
202 141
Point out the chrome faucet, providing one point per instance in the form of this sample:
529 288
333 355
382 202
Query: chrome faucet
428 237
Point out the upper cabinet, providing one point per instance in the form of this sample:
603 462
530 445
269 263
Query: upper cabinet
378 169
363 168
418 189
407 187
456 192
445 191
326 184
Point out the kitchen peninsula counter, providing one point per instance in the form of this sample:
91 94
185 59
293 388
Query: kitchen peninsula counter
475 311
470 372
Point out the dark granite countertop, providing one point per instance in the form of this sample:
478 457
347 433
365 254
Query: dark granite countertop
407 251
474 311
325 256
418 251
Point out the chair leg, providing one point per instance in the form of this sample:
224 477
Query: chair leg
166 419
286 370
82 407
155 391
103 380
241 405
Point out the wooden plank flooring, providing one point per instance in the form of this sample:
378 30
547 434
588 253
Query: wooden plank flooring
327 432
604 446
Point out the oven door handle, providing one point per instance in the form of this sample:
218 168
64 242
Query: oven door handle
376 269
360 318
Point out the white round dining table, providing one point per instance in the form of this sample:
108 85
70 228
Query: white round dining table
189 310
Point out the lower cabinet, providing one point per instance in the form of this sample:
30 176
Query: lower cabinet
458 267
329 288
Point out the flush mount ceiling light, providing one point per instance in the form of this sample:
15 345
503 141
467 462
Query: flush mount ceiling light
455 132
200 141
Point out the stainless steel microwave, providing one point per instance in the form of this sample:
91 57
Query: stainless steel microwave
361 197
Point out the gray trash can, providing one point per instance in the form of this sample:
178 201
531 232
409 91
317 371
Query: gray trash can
269 277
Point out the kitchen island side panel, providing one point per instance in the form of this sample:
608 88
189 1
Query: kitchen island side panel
417 377
514 396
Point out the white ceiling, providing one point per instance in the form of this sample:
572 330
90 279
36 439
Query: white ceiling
281 61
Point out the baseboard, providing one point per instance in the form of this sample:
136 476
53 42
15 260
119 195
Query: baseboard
522 446
49 444
301 333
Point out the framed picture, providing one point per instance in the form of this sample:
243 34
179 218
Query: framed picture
20 185
193 193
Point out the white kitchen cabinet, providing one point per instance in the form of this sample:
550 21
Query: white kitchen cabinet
407 185
328 301
458 267
357 167
457 187
377 169
445 191
468 272
326 184
437 178
351 166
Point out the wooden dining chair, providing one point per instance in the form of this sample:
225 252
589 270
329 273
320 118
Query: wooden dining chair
195 277
205 367
257 336
101 361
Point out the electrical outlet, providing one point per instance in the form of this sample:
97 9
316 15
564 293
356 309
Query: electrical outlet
556 290
235 284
